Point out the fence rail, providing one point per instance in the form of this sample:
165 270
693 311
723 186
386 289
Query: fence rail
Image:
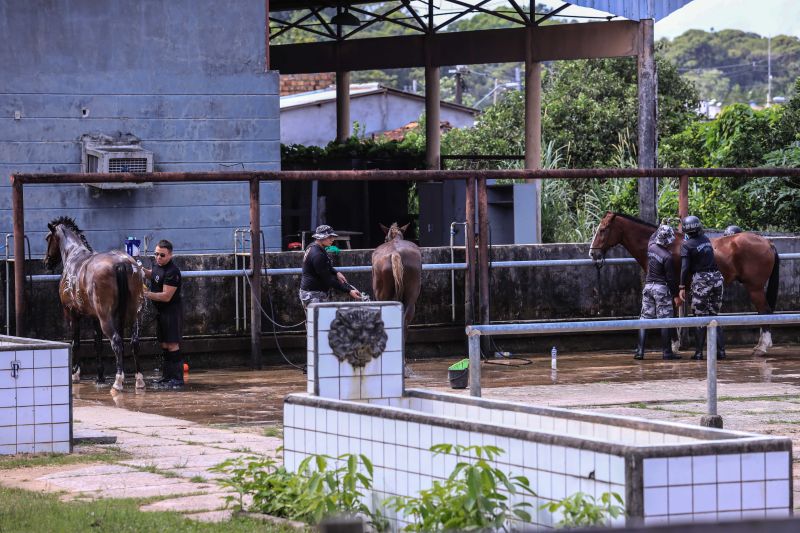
475 332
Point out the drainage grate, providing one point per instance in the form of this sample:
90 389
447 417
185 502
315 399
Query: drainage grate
127 165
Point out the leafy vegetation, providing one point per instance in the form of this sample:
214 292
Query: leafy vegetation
582 510
355 153
471 498
322 486
731 65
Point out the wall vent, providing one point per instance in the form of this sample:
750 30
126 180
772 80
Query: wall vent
121 153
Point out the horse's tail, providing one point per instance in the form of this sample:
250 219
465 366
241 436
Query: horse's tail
122 271
774 281
397 273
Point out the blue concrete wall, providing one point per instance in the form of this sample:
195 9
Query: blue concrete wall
185 76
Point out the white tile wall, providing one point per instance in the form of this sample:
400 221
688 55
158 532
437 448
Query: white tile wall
711 487
380 379
400 452
35 407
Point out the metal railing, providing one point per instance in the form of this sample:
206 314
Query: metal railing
475 332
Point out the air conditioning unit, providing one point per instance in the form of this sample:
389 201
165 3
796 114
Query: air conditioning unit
122 153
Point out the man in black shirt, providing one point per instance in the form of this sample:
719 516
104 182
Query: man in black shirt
697 262
319 276
165 292
660 289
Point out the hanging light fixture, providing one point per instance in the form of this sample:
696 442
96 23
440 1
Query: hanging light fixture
345 18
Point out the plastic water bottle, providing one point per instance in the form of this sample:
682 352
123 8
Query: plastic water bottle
553 358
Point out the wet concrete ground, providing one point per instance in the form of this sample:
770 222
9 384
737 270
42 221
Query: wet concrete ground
242 397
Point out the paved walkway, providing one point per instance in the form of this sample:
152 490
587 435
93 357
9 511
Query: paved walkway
169 457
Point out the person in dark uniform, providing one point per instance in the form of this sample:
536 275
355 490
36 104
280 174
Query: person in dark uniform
697 262
660 288
165 292
319 276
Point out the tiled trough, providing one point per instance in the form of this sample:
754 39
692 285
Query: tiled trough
35 396
665 472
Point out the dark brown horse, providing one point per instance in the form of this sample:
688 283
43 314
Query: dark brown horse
105 286
397 270
745 257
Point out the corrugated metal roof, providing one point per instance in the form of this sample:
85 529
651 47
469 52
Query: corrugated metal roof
634 9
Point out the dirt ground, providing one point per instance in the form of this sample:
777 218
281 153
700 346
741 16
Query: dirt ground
760 395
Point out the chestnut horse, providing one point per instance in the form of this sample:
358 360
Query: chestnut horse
105 286
397 270
745 257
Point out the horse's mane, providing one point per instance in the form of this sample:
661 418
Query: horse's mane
637 220
70 223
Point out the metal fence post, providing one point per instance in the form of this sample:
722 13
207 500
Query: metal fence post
474 340
712 419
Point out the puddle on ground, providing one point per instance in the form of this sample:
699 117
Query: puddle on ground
241 397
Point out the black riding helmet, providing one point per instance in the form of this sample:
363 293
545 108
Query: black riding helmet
731 230
692 225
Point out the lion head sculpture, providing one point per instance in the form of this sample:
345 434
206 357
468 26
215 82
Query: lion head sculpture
357 335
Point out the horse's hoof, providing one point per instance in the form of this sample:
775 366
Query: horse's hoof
676 346
76 377
758 352
117 387
139 381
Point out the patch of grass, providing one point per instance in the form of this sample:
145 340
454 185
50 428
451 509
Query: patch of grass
198 479
170 473
243 449
273 431
25 511
782 398
108 455
153 469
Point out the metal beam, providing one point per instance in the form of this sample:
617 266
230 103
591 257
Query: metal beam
255 263
550 43
647 121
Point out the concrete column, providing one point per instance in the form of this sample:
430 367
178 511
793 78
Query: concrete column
533 126
342 106
647 127
432 131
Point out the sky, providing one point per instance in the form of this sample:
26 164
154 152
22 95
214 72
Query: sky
765 17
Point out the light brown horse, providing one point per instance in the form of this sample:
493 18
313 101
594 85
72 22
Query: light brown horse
745 257
397 270
105 286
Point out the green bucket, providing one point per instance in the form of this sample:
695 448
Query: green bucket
458 374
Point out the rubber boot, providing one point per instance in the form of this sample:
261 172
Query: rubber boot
176 370
666 345
639 353
720 344
165 368
699 343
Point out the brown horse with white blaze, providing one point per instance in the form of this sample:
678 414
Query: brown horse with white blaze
397 270
745 257
108 287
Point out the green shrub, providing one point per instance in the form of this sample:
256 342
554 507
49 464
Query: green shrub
469 499
323 486
581 510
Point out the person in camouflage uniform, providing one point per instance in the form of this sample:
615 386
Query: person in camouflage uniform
659 290
697 261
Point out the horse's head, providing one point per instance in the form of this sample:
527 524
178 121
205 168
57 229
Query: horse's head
394 231
62 229
52 258
606 236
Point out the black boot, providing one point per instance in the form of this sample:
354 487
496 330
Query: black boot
666 345
639 353
720 344
699 343
176 370
165 368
